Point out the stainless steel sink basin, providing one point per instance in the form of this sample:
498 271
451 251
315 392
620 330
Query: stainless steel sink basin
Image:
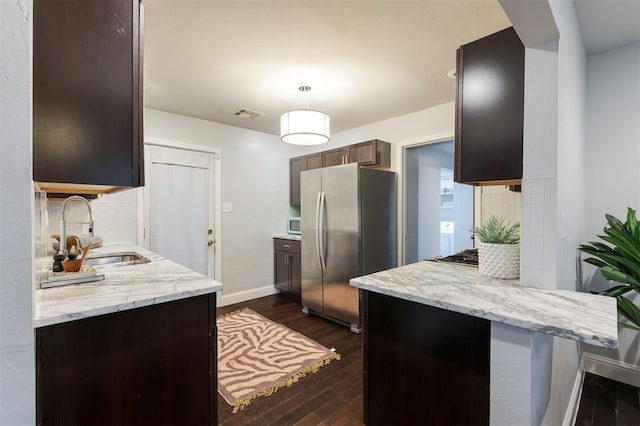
116 259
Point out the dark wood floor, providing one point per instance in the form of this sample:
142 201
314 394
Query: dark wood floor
607 402
332 396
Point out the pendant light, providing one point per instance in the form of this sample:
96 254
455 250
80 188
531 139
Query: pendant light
304 126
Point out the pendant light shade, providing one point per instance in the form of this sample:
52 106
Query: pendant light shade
304 127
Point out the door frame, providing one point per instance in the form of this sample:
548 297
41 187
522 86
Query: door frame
401 170
215 195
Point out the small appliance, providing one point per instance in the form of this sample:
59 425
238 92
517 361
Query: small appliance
293 226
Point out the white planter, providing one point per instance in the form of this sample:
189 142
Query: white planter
499 260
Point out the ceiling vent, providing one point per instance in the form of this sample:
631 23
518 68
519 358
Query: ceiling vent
247 113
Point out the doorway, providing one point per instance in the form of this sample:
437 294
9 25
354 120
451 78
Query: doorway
438 212
182 202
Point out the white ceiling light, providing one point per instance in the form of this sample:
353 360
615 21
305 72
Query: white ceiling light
304 126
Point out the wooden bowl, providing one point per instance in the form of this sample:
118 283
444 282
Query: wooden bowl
72 265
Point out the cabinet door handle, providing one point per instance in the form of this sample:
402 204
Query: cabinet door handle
286 245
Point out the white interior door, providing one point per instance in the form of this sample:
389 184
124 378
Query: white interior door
180 204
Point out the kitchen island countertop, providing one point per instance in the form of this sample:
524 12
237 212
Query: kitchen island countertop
579 316
288 237
124 287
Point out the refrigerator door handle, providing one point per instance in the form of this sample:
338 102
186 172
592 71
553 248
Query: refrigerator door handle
317 227
321 227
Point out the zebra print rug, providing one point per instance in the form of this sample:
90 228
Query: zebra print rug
257 356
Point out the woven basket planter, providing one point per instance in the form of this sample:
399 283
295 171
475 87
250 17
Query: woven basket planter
499 260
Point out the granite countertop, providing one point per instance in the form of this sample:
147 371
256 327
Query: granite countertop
288 237
124 287
579 316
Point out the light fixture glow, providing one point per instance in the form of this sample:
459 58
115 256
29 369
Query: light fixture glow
304 126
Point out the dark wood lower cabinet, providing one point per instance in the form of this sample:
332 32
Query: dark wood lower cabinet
287 266
423 365
154 365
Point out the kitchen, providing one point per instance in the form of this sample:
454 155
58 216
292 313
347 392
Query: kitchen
413 128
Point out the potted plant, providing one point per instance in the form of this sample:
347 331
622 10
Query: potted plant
619 262
499 248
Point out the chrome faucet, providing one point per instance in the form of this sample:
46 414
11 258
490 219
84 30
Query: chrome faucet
63 222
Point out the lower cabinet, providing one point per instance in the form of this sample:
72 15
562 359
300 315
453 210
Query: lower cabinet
151 365
287 266
423 365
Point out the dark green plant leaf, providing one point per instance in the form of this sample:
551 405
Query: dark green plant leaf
629 310
597 262
616 291
625 245
616 275
625 325
632 223
613 221
619 262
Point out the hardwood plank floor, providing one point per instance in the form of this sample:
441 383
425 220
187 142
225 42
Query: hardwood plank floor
332 396
607 402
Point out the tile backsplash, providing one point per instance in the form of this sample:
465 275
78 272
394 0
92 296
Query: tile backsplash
115 218
538 232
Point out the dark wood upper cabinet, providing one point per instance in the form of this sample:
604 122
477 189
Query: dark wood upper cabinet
87 95
370 153
296 165
314 161
373 152
334 157
490 109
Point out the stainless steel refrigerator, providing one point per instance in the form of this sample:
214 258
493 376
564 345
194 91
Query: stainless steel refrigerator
348 230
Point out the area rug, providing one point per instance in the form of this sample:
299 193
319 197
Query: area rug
257 356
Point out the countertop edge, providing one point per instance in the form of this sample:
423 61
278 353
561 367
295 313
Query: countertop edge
125 287
63 318
413 289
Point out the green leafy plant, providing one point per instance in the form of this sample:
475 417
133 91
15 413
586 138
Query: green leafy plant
619 263
496 231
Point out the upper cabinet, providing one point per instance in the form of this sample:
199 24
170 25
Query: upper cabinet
87 95
370 153
490 110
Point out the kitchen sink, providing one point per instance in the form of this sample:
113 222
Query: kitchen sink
116 259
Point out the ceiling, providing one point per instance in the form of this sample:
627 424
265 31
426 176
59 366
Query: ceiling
608 24
366 61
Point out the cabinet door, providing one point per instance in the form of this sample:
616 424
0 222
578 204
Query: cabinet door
281 270
87 97
334 157
296 274
362 153
314 161
296 165
374 152
490 109
151 365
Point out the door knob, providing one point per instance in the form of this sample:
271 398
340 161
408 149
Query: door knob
211 242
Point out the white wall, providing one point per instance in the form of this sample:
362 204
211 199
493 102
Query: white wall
570 189
613 156
17 369
255 178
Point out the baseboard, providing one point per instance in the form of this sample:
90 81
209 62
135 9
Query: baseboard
574 401
243 296
611 368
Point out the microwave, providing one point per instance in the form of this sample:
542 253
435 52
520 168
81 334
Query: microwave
293 226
